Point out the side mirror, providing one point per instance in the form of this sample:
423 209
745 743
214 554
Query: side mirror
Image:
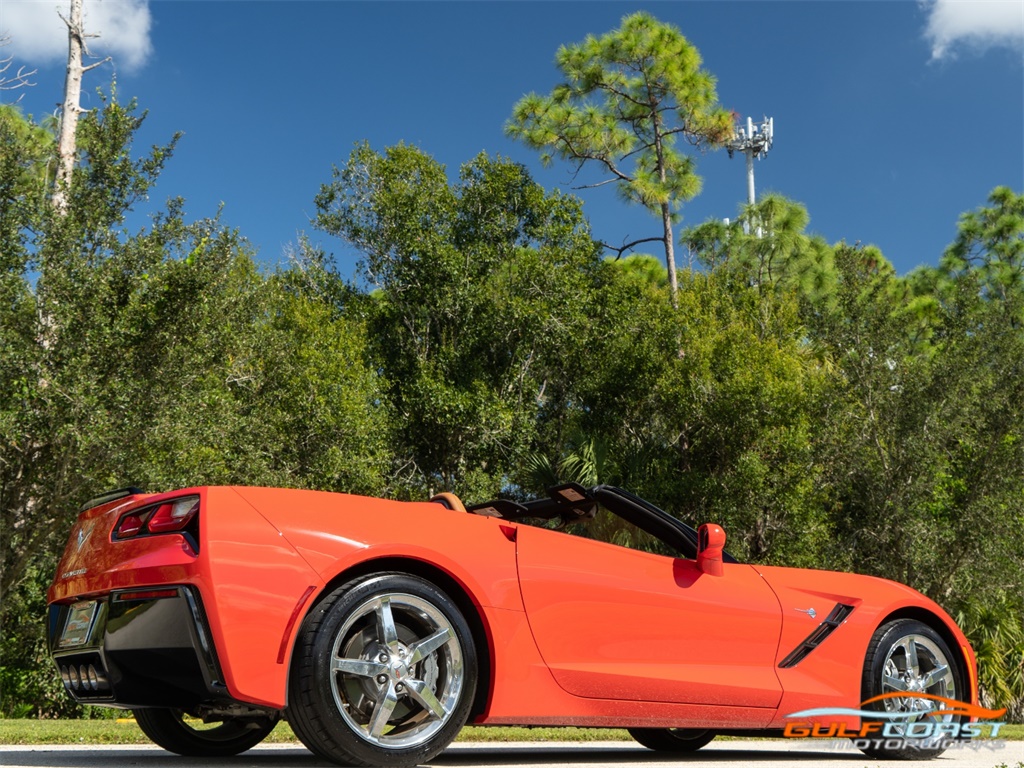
710 542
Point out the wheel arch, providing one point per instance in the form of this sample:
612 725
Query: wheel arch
933 620
451 587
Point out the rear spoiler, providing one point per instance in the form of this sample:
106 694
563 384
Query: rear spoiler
109 496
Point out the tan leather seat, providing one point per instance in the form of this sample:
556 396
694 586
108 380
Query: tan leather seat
450 500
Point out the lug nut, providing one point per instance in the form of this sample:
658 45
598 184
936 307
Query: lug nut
399 688
384 658
382 679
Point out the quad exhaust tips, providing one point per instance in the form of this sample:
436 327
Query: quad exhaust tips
83 678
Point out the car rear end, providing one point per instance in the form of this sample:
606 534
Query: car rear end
126 620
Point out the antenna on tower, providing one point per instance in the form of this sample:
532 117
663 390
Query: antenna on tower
753 141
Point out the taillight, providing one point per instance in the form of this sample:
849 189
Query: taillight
173 516
168 517
129 526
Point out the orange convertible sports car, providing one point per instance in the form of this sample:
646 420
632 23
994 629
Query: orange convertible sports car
379 628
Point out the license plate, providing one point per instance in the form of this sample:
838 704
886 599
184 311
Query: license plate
79 624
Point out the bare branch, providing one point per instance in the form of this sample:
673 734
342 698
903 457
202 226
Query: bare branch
20 79
607 162
619 250
620 93
595 186
97 64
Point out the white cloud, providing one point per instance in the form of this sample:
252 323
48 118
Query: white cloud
975 24
38 36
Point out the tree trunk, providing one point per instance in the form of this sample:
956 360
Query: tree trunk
670 254
66 145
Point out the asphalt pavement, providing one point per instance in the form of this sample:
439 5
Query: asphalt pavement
720 754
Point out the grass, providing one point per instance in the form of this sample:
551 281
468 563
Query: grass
125 731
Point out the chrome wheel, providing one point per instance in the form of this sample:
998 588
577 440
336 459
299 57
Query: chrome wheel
916 664
396 670
383 674
172 730
907 665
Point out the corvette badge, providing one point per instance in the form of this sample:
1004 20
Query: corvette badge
83 535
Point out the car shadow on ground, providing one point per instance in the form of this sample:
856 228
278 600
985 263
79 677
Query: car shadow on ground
122 757
510 754
461 755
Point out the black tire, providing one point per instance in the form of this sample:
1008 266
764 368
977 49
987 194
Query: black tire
672 739
907 655
383 673
169 729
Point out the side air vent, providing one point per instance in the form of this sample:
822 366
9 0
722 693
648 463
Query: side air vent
817 637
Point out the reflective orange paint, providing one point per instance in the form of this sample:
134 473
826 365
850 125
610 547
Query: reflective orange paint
831 675
93 565
972 669
578 631
615 623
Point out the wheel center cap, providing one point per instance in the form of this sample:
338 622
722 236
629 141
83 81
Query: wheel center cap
399 671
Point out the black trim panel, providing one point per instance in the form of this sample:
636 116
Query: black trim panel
148 651
817 637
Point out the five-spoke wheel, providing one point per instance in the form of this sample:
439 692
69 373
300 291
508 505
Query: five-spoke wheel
175 732
908 663
384 673
672 739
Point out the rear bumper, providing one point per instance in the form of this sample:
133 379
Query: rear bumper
137 648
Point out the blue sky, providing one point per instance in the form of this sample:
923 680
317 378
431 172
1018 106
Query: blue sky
891 118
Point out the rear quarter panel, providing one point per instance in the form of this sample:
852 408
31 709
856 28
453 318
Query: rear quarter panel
251 579
334 533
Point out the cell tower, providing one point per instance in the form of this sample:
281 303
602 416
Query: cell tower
753 141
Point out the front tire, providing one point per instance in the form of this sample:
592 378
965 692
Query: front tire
672 739
907 656
384 673
169 729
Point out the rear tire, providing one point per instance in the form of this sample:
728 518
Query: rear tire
908 656
672 739
169 729
384 673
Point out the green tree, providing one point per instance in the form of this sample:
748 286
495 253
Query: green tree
989 250
915 439
629 102
480 286
706 410
923 449
769 248
990 243
161 358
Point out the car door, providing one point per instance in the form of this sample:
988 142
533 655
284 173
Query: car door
615 623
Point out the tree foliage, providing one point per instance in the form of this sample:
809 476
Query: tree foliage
479 285
161 358
826 411
629 103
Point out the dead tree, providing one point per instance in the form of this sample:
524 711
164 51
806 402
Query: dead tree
12 81
66 144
